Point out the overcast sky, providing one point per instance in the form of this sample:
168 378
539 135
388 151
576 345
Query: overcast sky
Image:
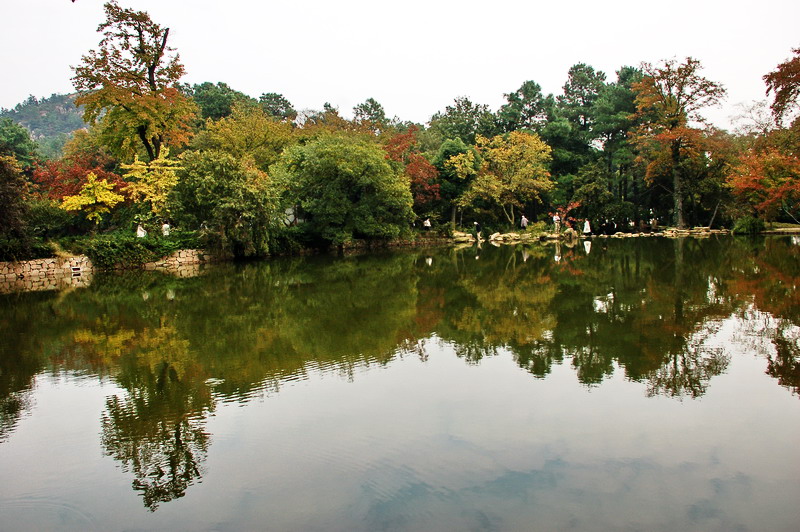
414 56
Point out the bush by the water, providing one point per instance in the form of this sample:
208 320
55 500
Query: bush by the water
130 251
748 225
13 249
46 219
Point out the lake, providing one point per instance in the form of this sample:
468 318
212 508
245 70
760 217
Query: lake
640 384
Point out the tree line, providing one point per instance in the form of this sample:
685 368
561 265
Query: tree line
252 175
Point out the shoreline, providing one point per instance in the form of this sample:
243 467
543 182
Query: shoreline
57 273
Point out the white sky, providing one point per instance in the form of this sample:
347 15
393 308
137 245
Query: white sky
414 57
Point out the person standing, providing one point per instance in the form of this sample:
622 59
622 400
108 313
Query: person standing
477 231
523 223
557 222
587 229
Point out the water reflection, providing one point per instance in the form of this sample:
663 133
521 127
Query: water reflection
179 346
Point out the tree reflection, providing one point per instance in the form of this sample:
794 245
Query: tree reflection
688 372
502 300
157 431
784 365
21 356
165 454
649 308
767 276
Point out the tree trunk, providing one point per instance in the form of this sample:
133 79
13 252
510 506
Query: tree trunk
677 185
714 215
142 131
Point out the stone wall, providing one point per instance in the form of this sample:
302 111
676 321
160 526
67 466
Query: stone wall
180 258
63 272
45 274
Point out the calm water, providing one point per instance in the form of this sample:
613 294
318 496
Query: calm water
645 384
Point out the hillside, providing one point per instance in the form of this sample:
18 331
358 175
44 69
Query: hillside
47 117
50 121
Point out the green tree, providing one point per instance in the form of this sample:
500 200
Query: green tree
613 119
15 141
582 88
344 188
277 105
569 130
129 85
232 202
248 132
464 120
371 115
12 195
453 183
593 191
217 101
526 108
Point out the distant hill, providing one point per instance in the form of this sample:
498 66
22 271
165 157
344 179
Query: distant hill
50 121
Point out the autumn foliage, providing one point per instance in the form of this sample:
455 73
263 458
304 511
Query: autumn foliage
768 180
128 86
422 174
784 83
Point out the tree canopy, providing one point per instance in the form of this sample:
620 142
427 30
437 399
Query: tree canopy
129 85
669 98
344 188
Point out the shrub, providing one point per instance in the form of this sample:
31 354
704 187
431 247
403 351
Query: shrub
46 219
748 225
109 250
14 249
537 228
445 230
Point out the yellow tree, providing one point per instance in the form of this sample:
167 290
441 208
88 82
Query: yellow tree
152 182
96 198
513 171
248 132
129 86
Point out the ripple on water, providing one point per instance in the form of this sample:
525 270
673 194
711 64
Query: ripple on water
44 513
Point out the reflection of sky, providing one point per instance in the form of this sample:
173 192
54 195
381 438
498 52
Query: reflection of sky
445 445
488 448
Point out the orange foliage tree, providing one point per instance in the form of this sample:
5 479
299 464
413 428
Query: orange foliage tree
668 100
784 83
129 85
769 181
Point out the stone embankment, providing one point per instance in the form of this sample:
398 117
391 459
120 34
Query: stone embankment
63 272
571 234
45 274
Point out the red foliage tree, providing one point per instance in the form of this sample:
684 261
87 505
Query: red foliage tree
65 177
784 83
422 174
